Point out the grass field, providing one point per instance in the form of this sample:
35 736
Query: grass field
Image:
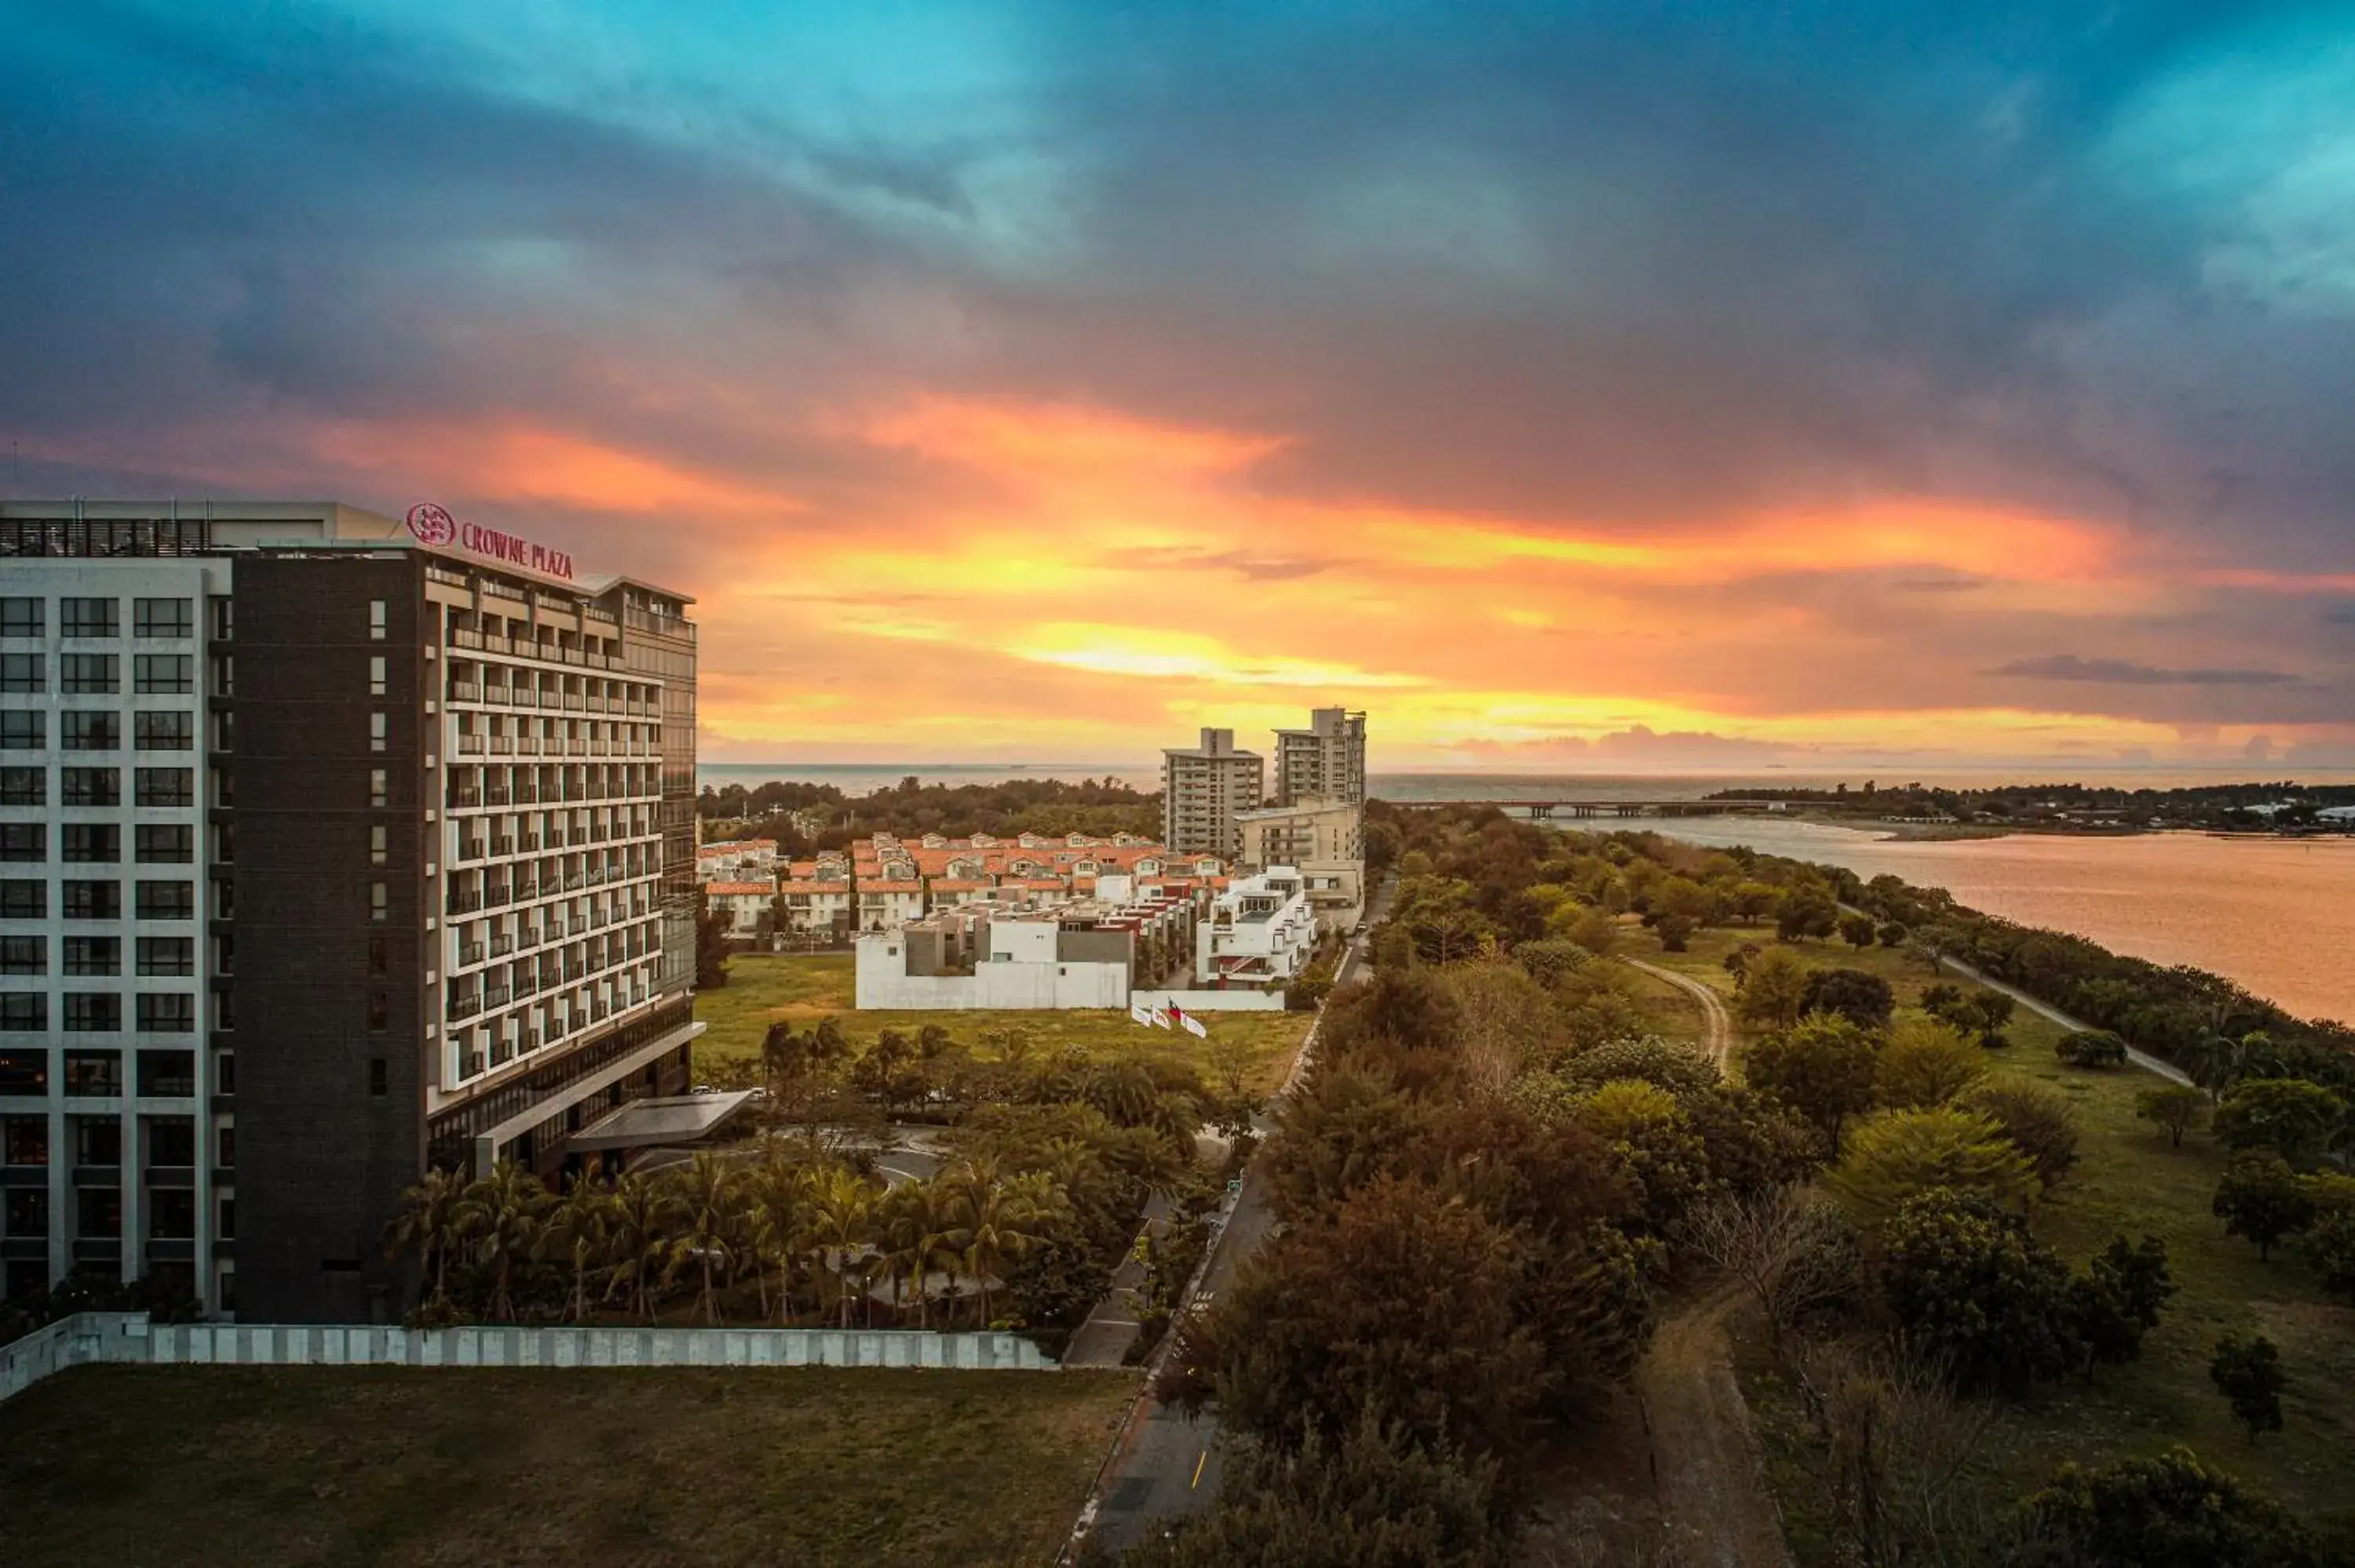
2129 1182
871 1468
804 988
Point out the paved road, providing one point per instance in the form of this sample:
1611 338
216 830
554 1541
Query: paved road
1712 1006
1165 1465
2142 1059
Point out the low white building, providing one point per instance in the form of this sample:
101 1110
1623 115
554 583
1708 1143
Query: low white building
886 903
746 909
738 859
1325 841
816 905
1260 933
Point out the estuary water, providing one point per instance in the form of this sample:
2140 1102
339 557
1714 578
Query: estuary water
2275 915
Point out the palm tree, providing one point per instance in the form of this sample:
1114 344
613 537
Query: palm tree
918 1224
501 1214
576 1230
776 1197
842 1215
643 1214
995 1217
707 1202
430 1225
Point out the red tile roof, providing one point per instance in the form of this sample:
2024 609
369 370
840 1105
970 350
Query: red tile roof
740 889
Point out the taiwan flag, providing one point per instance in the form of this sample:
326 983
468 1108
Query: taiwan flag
1187 1022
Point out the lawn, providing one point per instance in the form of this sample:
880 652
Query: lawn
871 1468
2129 1182
804 987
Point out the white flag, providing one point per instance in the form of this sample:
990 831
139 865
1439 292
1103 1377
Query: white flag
1140 1014
1160 1018
1193 1024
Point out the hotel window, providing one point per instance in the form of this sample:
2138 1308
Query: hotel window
24 786
377 610
379 957
92 786
25 840
379 788
28 1213
24 1141
24 1010
168 955
380 901
379 846
93 900
98 1212
168 900
93 1012
378 1086
93 955
20 617
224 618
376 676
94 1075
380 1010
168 1012
166 732
87 618
163 674
22 673
88 675
166 786
23 900
170 843
24 954
91 843
92 731
376 732
21 731
164 618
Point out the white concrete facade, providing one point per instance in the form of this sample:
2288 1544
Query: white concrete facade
1260 932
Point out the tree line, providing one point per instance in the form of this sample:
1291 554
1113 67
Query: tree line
804 817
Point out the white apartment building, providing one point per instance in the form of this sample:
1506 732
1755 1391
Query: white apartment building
1260 933
1325 840
745 910
1202 788
890 901
738 859
820 905
1326 761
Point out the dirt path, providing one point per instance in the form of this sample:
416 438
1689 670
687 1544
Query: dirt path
1712 1006
1710 1473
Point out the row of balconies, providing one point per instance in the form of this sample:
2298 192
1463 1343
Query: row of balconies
530 648
524 697
499 896
474 1003
499 947
462 795
502 845
536 746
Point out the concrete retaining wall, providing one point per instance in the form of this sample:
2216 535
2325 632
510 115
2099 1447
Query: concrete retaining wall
128 1338
1214 1001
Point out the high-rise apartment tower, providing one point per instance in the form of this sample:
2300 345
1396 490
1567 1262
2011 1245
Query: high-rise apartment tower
1201 791
1326 761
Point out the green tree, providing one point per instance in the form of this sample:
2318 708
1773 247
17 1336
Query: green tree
2091 1048
1857 930
2293 1117
710 947
841 1230
1807 911
1596 930
1973 1291
431 1223
2261 1200
1398 1301
1865 999
2118 1300
1822 1068
1372 1499
1775 992
1441 916
500 1216
2172 1511
576 1234
2176 1107
1924 1063
2040 1123
2248 1373
1892 933
644 1213
1898 1155
706 1202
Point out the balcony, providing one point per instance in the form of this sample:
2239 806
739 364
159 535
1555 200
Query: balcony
469 954
471 849
501 946
462 903
497 996
464 1007
470 746
465 692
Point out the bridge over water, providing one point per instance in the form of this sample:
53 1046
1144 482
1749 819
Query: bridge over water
1546 811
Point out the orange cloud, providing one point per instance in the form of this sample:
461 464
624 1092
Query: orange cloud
1033 440
524 464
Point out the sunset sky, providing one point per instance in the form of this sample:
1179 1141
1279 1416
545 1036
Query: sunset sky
1605 386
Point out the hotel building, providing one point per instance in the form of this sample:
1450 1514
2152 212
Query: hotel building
333 848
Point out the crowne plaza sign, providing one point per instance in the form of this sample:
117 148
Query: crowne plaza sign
431 524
